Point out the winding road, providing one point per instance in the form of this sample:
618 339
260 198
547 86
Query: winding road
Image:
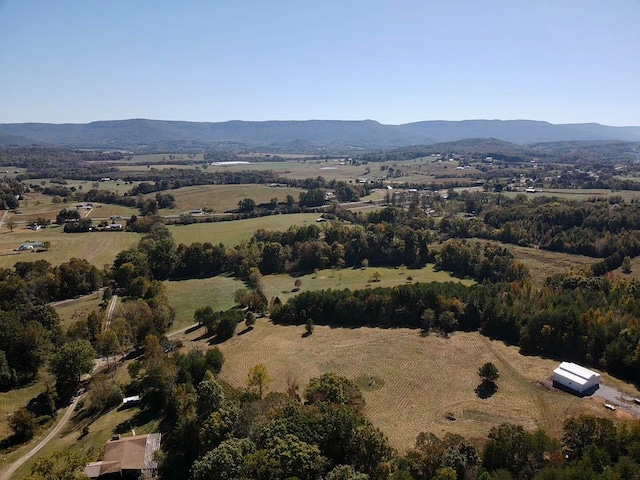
6 475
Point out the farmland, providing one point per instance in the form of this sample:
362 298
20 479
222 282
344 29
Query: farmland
232 233
421 379
98 248
226 197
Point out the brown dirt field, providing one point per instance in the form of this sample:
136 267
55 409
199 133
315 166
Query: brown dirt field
419 379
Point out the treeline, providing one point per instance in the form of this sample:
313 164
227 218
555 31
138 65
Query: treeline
600 228
592 320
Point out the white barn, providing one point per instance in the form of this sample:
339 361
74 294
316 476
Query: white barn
574 377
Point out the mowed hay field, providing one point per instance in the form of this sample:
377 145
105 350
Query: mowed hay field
221 198
418 380
98 248
231 233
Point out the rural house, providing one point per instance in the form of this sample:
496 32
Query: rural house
127 458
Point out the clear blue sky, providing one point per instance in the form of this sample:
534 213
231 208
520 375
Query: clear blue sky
395 61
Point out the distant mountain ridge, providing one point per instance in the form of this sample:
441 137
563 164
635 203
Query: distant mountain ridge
142 134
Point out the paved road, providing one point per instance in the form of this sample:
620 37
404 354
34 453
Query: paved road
6 475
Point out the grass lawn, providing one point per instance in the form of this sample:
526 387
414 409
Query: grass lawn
186 296
353 279
232 233
421 379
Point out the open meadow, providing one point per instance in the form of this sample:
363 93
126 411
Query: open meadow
282 285
186 296
419 383
231 233
225 197
578 193
217 292
98 248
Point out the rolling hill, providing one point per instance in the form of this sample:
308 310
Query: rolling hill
141 134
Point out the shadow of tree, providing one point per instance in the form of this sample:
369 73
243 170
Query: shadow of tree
486 389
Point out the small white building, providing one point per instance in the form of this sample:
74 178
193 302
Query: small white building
576 378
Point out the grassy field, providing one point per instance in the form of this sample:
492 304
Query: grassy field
421 379
186 296
225 197
543 263
70 311
232 233
353 279
98 248
167 157
578 193
217 292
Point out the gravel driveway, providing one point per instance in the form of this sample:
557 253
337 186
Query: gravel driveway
618 399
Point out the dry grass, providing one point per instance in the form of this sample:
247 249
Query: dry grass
71 311
98 248
422 378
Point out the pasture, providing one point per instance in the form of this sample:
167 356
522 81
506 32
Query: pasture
542 263
282 285
420 380
186 296
578 194
166 157
71 311
231 233
98 248
225 197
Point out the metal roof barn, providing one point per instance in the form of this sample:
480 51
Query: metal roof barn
576 378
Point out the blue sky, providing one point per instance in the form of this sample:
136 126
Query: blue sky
76 61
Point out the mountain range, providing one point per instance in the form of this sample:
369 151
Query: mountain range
310 135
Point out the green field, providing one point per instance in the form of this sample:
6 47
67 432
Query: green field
217 292
578 193
186 296
232 233
220 198
354 279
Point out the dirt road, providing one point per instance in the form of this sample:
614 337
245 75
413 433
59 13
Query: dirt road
7 474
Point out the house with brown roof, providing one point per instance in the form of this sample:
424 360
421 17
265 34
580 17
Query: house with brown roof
127 458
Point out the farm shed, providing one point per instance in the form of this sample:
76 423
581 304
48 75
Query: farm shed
576 378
